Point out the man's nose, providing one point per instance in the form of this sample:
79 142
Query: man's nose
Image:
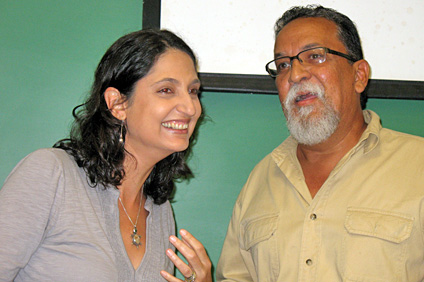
298 72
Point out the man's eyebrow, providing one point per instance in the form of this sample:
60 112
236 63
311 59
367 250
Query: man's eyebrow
307 46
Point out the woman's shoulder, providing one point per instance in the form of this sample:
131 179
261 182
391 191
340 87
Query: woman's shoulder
48 156
44 162
38 177
48 153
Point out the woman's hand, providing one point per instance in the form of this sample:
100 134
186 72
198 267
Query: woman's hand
196 256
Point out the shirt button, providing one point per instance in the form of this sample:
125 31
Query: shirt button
313 216
309 262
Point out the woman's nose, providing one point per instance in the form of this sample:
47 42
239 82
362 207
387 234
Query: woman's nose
186 104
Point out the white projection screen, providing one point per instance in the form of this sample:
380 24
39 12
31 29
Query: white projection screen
233 40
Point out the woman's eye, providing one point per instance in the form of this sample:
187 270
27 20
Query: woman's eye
194 91
166 91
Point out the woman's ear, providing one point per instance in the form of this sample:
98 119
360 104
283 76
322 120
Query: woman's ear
115 103
362 69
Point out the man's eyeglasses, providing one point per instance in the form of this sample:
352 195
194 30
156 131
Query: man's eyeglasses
309 57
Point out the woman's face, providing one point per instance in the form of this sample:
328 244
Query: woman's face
164 108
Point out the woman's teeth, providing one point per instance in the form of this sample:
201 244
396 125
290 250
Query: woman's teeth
174 125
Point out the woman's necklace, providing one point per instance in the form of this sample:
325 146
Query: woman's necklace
136 239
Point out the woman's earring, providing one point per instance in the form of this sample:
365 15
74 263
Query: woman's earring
121 138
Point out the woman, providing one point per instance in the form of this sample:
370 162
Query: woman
95 207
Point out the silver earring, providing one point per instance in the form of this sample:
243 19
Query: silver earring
121 138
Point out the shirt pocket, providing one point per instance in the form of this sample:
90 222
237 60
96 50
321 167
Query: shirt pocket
259 240
374 245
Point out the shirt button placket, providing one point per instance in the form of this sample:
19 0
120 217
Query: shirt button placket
310 246
309 262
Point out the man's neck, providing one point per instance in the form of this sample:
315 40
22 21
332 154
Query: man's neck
319 160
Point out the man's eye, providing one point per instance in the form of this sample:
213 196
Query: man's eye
283 65
316 57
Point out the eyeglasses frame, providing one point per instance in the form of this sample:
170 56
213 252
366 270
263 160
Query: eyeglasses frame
327 50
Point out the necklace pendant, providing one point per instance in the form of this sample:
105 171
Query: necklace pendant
136 239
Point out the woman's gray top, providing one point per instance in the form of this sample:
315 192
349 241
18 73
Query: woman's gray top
55 227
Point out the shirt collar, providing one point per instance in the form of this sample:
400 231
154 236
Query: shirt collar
370 137
285 150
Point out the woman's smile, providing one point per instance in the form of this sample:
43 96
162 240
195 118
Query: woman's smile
178 125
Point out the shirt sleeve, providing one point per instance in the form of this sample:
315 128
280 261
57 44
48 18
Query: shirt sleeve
232 265
26 201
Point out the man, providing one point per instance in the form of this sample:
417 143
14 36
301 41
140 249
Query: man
342 199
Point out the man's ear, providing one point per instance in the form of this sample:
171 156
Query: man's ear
115 103
362 72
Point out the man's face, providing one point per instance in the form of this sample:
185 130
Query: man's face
315 99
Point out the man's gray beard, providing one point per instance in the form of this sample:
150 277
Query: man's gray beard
310 130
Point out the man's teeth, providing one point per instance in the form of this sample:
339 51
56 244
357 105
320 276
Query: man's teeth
174 125
302 97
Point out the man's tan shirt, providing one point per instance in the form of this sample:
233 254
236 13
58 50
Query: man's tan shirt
366 223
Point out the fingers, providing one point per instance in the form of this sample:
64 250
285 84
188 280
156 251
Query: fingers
194 253
168 277
194 244
185 270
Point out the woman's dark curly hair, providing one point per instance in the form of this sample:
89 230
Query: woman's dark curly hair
94 137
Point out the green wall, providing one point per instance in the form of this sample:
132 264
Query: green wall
48 53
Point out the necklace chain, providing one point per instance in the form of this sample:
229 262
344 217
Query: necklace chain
135 237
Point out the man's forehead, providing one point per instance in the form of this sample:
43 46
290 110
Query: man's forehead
304 33
312 25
